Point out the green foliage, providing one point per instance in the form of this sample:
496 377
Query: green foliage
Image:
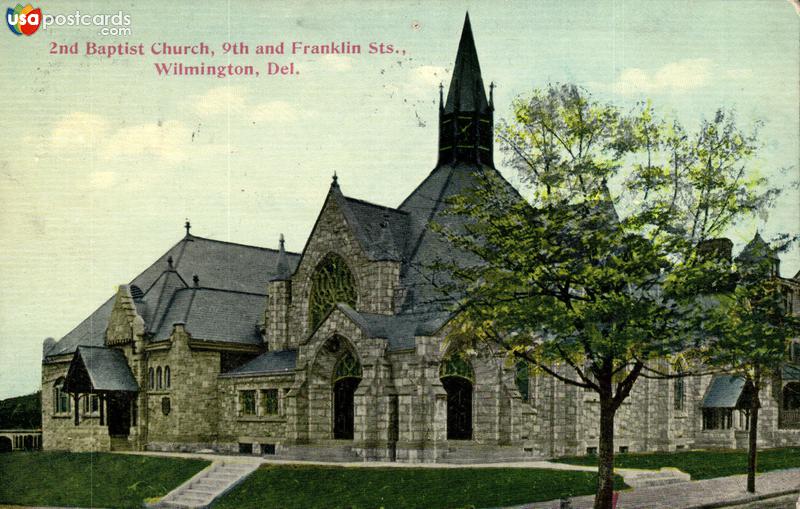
597 267
702 464
21 412
90 479
430 488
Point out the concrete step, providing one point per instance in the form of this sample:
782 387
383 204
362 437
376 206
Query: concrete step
204 488
650 478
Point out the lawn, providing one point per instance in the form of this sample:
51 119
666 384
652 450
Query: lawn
702 464
295 486
89 479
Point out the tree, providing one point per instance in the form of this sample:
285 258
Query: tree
586 284
749 331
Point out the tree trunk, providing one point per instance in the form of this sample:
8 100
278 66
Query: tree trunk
605 466
752 446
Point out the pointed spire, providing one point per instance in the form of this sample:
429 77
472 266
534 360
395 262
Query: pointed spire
335 180
282 269
466 92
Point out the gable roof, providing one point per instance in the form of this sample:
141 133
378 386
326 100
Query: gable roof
724 392
224 266
99 369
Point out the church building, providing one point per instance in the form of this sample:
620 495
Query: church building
338 352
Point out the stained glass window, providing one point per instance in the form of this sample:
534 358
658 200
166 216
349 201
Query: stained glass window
347 367
456 365
680 394
331 283
522 378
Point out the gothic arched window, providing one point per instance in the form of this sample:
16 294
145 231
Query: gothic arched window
347 367
167 377
331 283
456 365
152 378
159 378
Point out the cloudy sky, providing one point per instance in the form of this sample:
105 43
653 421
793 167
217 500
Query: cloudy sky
103 160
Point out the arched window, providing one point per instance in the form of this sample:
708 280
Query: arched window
522 379
152 378
159 379
347 367
791 396
456 365
61 403
331 283
167 377
678 391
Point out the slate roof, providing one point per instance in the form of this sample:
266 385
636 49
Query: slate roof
790 372
282 361
724 392
214 315
399 330
106 367
224 266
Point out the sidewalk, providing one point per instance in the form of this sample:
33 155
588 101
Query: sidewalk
706 494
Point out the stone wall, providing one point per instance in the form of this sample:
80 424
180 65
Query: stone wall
236 428
193 406
59 431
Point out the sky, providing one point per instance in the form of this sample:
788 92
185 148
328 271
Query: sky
104 159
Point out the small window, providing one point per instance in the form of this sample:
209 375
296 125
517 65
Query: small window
522 379
167 377
152 378
679 390
270 400
591 451
624 449
794 352
247 403
159 378
245 448
91 404
166 406
61 403
268 449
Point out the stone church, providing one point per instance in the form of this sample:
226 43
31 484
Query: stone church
338 352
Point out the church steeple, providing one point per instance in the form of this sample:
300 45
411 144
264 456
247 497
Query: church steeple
466 118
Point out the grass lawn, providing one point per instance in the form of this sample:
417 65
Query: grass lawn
89 479
296 486
702 464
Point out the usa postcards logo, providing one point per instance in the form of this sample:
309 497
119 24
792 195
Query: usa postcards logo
23 20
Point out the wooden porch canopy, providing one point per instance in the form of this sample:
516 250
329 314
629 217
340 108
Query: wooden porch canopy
98 370
728 391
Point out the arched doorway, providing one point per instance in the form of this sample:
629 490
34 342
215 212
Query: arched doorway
346 377
457 378
5 444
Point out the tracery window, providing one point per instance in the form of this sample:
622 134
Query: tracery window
456 365
522 379
347 367
331 283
